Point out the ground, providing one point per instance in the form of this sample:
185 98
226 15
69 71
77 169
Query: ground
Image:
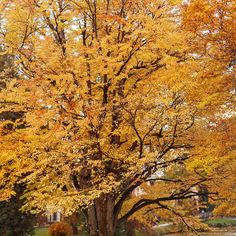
220 223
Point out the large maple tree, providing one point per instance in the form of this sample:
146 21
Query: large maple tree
108 93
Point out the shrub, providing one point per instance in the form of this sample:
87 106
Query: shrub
60 229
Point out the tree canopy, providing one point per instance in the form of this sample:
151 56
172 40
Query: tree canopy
112 95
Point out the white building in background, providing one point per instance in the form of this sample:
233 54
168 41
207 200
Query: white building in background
54 217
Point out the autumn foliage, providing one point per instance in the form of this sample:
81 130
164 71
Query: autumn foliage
113 95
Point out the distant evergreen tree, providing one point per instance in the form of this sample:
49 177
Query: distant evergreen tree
12 221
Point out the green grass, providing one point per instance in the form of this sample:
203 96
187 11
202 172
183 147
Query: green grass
221 222
41 232
44 232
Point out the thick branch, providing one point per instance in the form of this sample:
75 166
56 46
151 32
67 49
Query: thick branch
145 202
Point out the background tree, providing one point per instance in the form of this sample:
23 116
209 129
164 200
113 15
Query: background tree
12 220
109 91
217 144
212 24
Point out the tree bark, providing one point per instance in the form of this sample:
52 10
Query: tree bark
100 215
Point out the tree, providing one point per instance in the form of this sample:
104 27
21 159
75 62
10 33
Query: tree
108 91
221 158
12 221
212 26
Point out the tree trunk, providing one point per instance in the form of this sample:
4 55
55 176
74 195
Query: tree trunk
100 215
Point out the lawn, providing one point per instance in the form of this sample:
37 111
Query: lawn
41 232
44 232
221 222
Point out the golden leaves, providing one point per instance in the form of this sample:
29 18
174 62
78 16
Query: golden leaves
107 98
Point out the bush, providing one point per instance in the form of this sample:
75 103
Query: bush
60 229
